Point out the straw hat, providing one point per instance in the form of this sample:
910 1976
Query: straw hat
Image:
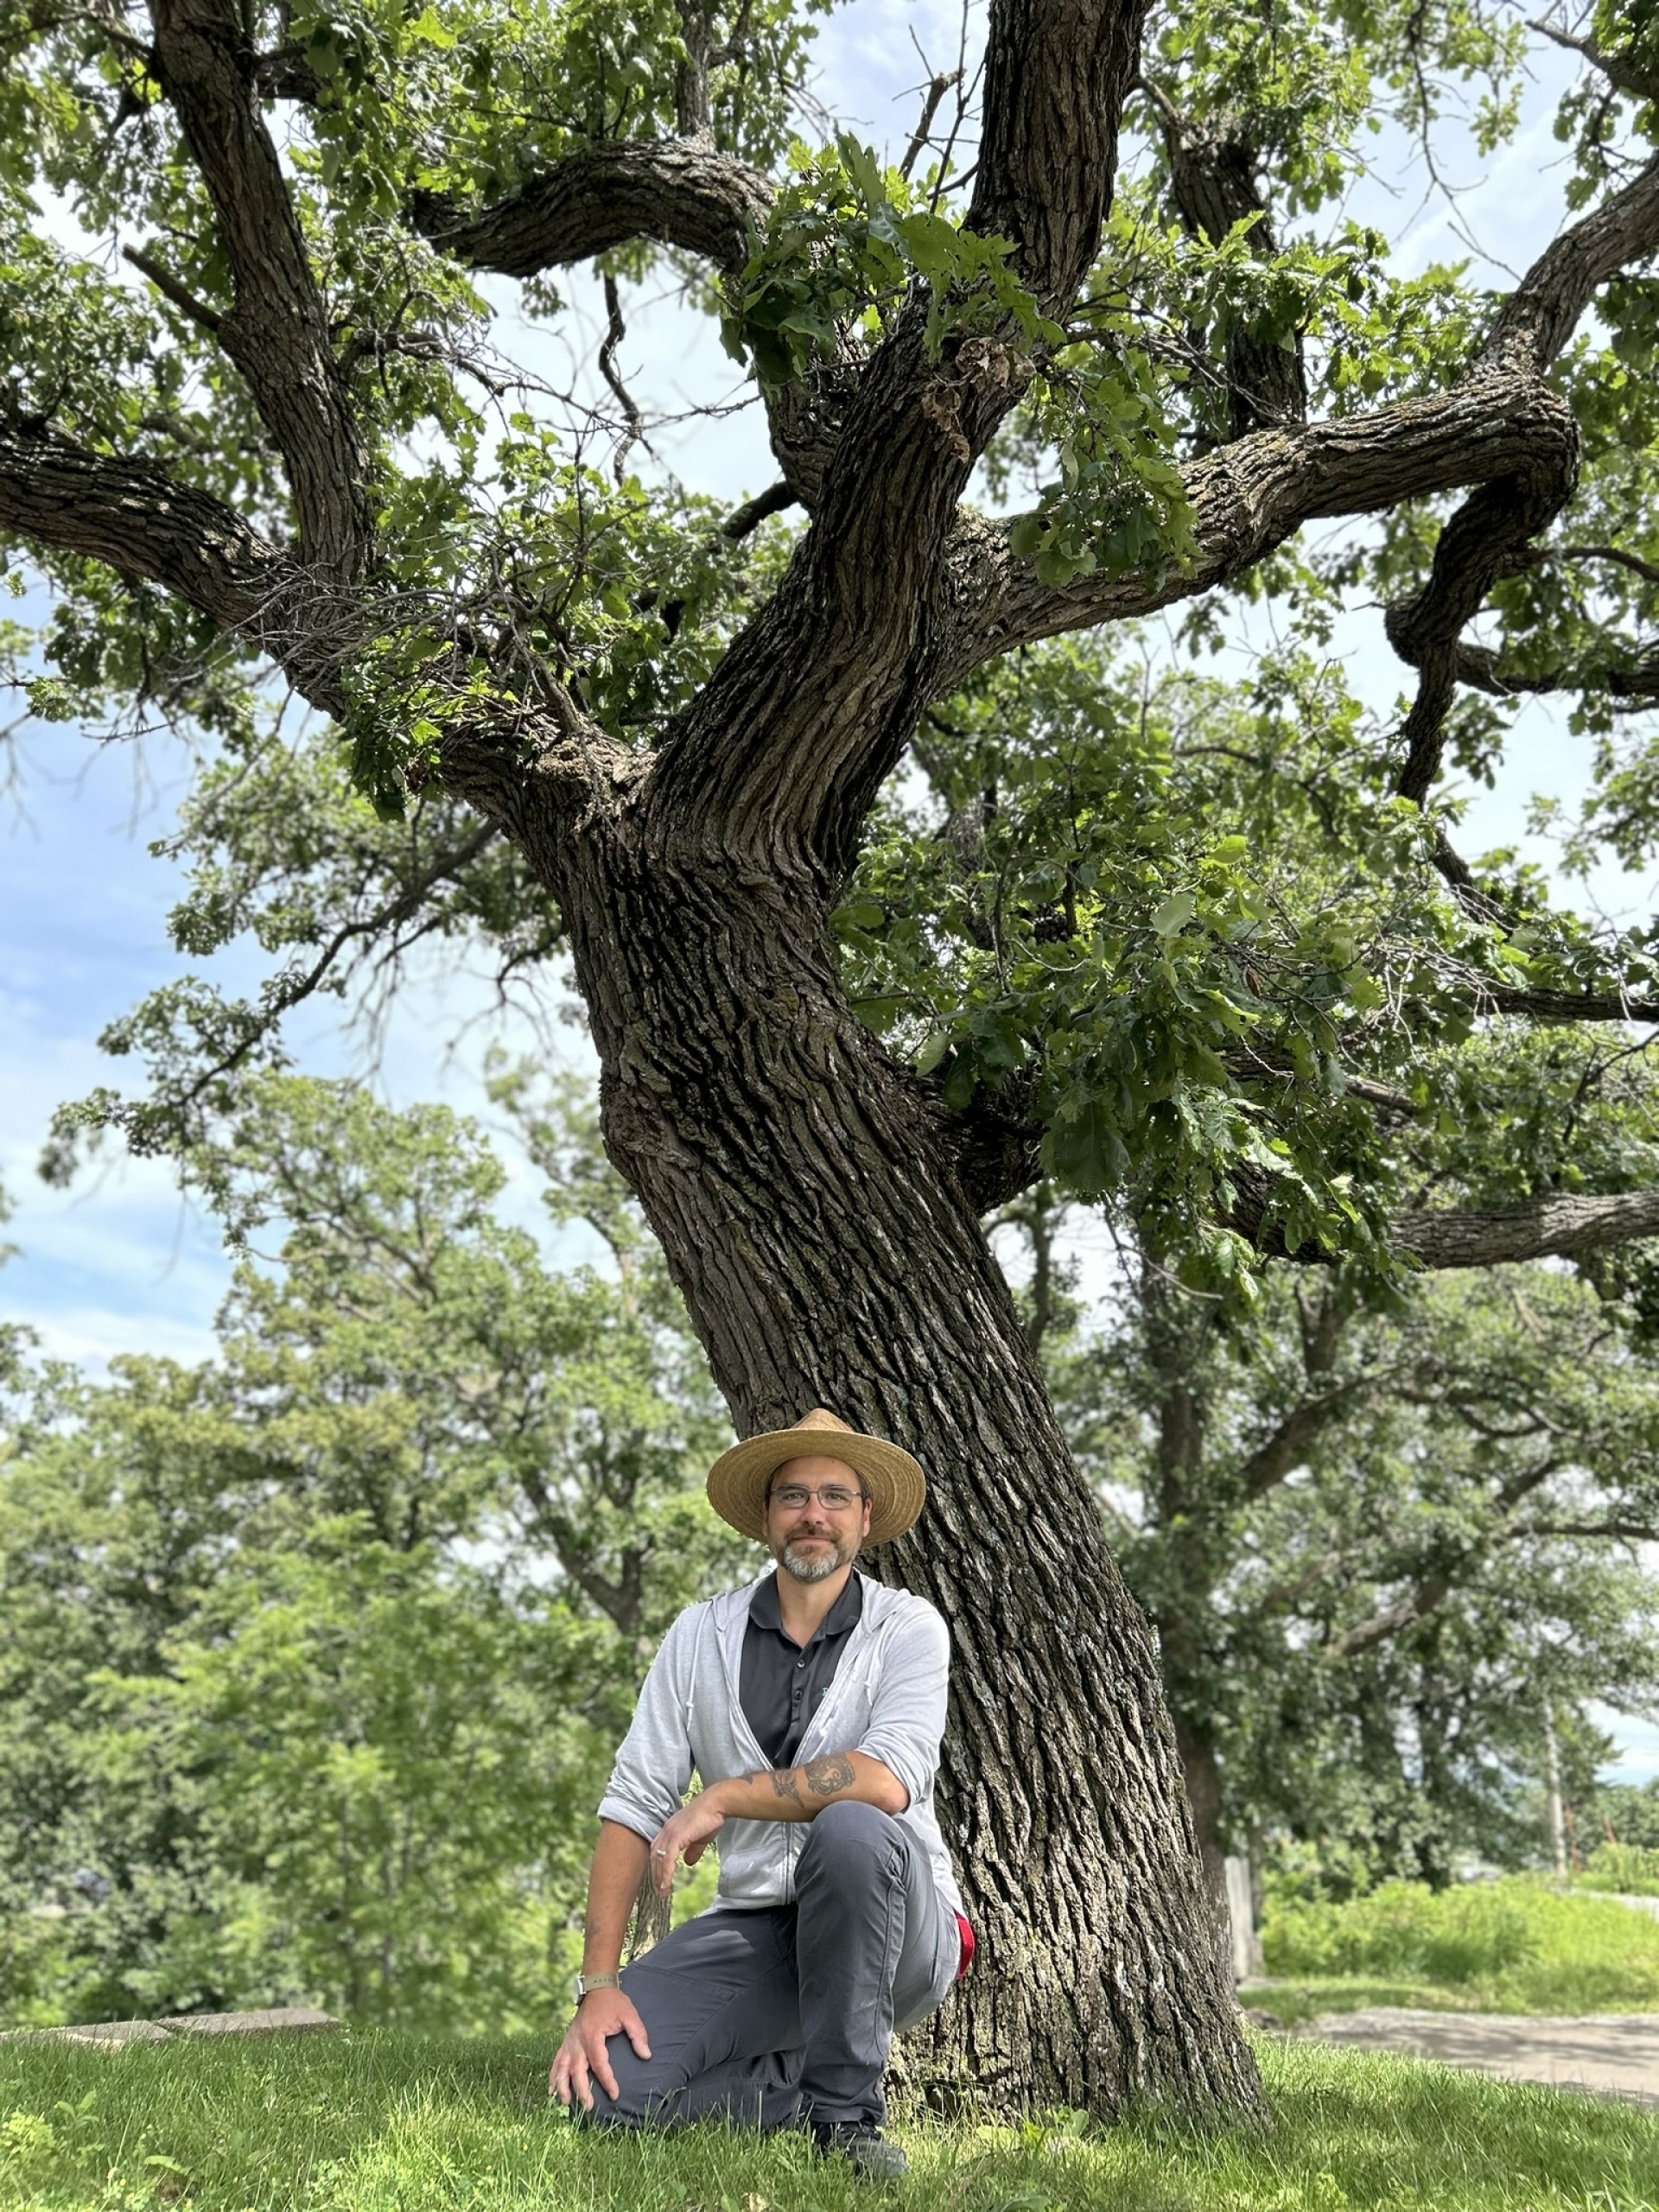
738 1479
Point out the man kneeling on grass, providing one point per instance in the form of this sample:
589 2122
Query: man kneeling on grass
811 1704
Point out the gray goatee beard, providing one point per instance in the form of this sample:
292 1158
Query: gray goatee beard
814 1566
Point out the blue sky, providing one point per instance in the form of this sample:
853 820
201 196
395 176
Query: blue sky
117 1262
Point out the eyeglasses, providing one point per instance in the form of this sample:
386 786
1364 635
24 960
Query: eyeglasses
834 1499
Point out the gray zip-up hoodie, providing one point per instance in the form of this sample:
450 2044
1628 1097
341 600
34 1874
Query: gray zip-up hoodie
887 1700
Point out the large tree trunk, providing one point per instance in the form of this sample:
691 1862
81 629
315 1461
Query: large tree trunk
802 1192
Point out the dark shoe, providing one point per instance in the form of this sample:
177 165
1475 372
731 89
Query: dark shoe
865 2148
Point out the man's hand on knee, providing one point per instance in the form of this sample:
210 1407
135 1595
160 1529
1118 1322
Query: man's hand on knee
583 2058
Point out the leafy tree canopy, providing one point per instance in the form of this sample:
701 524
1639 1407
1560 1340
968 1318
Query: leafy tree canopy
1179 933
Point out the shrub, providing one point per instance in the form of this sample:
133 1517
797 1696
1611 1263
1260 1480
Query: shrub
1518 1945
1625 1868
1407 1931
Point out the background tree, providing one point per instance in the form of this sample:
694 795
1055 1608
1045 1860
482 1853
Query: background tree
315 1655
609 716
1378 1547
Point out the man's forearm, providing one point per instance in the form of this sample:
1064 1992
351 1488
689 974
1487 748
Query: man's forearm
613 1882
800 1793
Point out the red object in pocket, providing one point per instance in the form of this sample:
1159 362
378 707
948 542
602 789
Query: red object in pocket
968 1948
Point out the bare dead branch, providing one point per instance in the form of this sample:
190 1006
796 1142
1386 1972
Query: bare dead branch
936 91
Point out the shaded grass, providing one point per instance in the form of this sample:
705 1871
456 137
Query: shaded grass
380 2123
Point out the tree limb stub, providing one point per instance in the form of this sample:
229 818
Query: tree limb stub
680 193
277 332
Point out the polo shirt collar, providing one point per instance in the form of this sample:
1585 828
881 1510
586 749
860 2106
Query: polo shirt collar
845 1613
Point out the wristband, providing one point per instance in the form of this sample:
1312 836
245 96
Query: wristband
586 1981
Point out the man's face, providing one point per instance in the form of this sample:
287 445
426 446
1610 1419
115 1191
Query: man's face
811 1540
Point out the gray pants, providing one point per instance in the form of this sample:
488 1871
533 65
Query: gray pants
770 2016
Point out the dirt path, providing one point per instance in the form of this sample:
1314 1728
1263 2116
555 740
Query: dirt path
1612 2055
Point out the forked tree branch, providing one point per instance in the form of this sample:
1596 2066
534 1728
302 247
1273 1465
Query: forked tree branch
1498 428
827 681
1490 533
277 331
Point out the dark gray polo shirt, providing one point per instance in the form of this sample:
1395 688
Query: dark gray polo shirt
780 1685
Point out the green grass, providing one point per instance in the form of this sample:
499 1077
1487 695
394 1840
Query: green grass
375 2123
1516 1945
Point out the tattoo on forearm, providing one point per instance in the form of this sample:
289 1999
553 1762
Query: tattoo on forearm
828 1776
784 1783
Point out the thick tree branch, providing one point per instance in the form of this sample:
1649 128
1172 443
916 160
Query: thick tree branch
1498 428
170 289
1250 496
132 515
682 193
1489 533
1547 1228
1544 307
1552 1228
995 1145
1623 75
776 499
1571 1006
1635 1532
1285 1450
1057 75
277 331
